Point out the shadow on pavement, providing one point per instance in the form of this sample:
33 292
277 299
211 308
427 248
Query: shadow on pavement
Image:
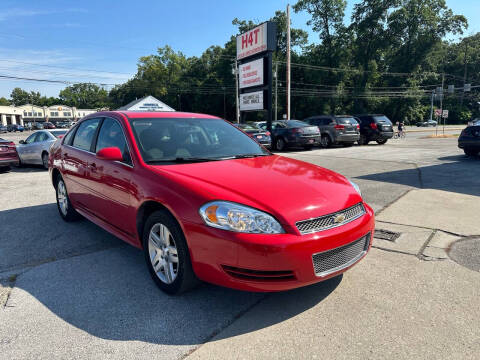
461 175
109 294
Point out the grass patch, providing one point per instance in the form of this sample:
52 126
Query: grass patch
441 136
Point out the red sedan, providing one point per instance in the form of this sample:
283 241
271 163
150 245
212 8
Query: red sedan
8 154
205 201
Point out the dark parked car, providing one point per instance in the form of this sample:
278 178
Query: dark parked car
293 133
3 129
427 123
377 128
469 139
15 128
336 129
8 154
259 135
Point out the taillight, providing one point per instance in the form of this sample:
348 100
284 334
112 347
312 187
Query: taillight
358 126
339 127
267 133
297 130
373 126
11 146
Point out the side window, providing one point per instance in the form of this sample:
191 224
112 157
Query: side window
111 135
69 137
42 137
85 133
31 138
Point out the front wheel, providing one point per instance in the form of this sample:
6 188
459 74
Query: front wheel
45 161
65 208
325 141
166 254
381 141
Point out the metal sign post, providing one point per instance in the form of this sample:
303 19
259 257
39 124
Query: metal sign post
254 58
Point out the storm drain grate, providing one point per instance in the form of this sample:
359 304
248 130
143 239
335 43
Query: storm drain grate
386 235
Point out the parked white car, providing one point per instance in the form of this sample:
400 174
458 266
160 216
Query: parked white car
34 150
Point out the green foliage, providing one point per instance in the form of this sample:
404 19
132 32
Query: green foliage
4 102
84 96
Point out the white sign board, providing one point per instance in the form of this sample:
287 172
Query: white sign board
252 42
251 74
445 114
251 101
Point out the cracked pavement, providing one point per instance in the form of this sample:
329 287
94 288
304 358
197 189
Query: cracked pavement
74 291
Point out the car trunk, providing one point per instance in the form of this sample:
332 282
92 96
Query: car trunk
346 125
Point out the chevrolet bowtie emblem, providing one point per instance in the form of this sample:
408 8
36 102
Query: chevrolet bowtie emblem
339 218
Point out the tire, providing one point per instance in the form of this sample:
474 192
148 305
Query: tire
382 141
325 141
45 160
348 144
173 273
280 144
363 140
64 206
470 152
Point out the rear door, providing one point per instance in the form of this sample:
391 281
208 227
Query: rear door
76 156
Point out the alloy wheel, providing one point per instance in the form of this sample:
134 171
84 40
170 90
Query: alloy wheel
163 253
45 161
62 198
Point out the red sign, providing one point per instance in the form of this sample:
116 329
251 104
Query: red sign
252 42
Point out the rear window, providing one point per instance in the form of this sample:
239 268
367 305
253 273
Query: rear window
296 124
382 119
346 120
247 127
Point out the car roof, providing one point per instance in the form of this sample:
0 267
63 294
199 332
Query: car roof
153 114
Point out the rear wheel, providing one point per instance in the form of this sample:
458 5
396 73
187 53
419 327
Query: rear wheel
166 254
325 141
363 140
280 144
65 208
470 152
381 141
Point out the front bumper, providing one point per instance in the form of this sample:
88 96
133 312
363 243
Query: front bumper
278 262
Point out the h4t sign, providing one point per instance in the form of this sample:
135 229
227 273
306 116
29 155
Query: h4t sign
256 41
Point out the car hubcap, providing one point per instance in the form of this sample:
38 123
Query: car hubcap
324 141
163 253
62 197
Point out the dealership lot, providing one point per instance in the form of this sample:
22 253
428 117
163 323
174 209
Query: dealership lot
73 290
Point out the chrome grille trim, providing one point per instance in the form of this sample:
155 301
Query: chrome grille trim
328 221
331 261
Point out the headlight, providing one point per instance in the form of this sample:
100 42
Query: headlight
356 187
240 218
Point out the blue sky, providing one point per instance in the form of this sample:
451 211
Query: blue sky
69 39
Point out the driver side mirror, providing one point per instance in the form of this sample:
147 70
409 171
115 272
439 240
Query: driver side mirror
21 142
110 153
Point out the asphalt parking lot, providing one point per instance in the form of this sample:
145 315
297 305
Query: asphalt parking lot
75 291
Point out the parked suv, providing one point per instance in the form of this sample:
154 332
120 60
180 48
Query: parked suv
336 129
377 128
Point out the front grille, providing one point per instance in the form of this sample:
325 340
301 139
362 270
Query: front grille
258 275
331 220
330 261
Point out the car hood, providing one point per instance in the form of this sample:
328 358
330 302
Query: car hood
289 189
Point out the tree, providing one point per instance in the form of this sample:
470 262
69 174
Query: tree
21 97
84 95
4 102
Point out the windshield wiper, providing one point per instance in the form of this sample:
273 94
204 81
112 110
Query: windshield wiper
182 160
244 156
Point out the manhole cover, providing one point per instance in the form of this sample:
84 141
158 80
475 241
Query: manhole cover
466 253
386 235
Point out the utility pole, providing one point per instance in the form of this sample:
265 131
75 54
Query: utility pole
288 62
431 105
237 111
224 104
441 103
464 71
276 90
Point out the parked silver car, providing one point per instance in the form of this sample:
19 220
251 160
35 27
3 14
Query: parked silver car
34 150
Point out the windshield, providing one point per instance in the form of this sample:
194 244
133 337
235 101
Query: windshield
58 134
346 120
296 124
382 119
180 139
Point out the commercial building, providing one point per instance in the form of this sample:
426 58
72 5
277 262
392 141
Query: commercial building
147 103
29 113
